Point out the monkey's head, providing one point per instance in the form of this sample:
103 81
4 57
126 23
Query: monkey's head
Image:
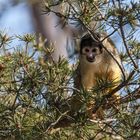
90 50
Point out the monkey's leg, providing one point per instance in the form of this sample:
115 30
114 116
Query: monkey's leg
99 114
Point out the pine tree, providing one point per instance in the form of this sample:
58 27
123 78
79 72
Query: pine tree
35 93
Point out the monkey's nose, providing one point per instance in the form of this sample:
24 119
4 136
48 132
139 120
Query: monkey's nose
91 58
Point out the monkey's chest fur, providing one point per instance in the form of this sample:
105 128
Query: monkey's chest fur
90 74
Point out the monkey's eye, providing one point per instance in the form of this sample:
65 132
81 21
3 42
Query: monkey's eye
86 50
94 50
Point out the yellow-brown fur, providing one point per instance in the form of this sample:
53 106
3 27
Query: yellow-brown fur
105 67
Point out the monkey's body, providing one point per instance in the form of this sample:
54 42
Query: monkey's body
107 69
101 66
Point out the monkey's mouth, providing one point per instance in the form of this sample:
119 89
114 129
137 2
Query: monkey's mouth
91 59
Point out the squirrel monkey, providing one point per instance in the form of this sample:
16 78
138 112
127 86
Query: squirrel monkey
95 62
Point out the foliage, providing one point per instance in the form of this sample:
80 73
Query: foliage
35 94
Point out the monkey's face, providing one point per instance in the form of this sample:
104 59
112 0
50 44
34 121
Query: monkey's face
91 54
90 50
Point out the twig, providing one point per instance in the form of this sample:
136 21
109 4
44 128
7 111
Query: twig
98 10
109 95
56 122
123 38
128 98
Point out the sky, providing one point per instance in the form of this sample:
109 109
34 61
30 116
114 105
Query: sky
15 19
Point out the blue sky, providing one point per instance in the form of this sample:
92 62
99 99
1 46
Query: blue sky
15 19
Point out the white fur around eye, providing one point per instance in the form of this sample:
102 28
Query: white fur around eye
97 50
85 50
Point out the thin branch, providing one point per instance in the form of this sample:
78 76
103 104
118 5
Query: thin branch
109 95
98 10
123 38
56 122
128 98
